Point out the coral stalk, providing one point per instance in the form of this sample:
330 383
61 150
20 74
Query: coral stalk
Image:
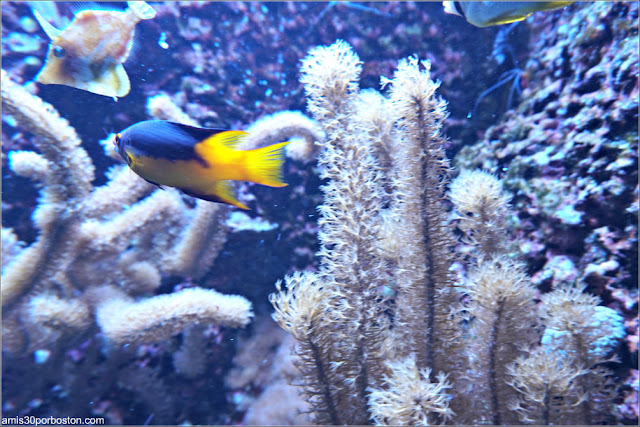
347 223
67 183
421 175
157 318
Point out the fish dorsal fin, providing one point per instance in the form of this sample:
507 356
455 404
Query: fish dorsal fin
228 138
198 134
141 9
51 31
78 7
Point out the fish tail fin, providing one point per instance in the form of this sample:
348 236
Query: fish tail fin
141 9
264 165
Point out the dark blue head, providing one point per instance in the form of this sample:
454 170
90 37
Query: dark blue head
162 139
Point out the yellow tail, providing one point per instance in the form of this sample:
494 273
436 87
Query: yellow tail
264 165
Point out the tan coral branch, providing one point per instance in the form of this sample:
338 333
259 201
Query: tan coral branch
158 318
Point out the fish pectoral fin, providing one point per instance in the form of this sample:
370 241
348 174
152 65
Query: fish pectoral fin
114 81
124 86
220 192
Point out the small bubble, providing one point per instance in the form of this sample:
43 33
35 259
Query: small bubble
162 42
41 356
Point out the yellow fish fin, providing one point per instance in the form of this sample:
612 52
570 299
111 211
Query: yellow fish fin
220 192
228 138
264 165
122 79
113 82
509 19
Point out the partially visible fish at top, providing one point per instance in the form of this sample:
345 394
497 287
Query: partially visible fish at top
89 52
488 13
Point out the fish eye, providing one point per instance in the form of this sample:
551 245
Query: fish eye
117 139
59 52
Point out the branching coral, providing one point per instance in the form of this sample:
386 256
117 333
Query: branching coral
500 307
564 381
382 334
281 125
419 173
84 239
100 246
343 364
355 270
263 366
558 375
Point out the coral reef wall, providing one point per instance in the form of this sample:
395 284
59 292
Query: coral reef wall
569 155
385 334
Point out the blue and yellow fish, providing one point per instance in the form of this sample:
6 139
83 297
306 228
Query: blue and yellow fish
200 162
488 13
89 52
